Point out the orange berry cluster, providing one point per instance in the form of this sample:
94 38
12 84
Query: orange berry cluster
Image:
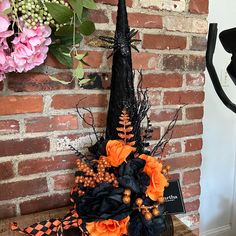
165 170
126 198
90 178
147 211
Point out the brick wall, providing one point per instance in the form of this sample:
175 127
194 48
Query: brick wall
38 117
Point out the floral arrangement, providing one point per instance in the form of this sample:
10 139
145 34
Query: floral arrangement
123 189
119 185
29 29
118 191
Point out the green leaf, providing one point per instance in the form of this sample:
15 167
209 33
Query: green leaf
7 11
58 80
62 54
59 13
87 28
77 5
64 30
90 4
78 73
84 81
67 40
81 56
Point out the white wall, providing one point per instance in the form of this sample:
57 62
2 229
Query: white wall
219 138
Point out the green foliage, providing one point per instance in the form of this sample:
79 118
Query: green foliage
78 72
62 53
72 22
87 27
90 4
60 81
59 13
77 6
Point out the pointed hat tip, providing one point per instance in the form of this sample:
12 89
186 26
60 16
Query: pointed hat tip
122 17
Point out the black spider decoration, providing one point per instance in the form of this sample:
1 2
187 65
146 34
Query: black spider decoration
121 42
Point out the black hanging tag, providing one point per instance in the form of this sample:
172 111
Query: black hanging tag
174 203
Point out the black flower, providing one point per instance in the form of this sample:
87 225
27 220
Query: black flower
131 175
102 203
139 226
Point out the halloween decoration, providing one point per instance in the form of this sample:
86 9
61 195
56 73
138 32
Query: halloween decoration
227 39
119 190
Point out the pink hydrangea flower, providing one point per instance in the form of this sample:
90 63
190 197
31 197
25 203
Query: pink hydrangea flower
4 4
30 48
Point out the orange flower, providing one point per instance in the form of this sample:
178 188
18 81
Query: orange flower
108 227
158 181
117 152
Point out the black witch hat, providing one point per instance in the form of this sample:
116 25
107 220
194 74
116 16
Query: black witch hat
122 94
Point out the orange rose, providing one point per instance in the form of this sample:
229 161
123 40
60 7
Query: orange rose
108 227
117 152
158 181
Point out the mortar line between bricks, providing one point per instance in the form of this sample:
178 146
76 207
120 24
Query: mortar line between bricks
38 175
20 200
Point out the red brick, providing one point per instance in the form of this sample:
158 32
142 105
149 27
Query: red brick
196 63
172 148
191 177
195 79
193 145
7 211
47 164
43 124
191 191
94 41
98 16
45 203
26 146
32 81
23 188
198 6
20 104
194 113
152 41
9 126
159 115
141 20
192 206
174 62
6 170
198 43
162 80
66 101
99 119
53 62
145 60
174 176
186 130
156 133
154 98
114 2
62 182
94 59
191 161
183 97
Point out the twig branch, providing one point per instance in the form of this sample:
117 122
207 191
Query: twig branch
164 140
92 124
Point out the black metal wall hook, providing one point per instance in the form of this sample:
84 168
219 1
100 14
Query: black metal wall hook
211 44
